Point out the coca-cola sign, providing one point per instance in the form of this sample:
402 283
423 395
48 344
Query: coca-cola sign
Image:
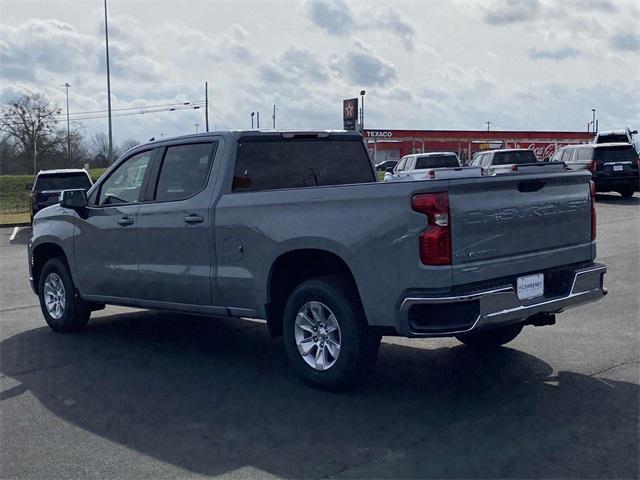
544 150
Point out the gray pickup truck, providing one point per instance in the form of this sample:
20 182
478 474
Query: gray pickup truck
294 229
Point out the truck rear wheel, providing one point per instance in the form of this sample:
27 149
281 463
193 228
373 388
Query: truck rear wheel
326 335
491 338
62 310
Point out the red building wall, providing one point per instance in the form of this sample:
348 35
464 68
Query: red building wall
467 142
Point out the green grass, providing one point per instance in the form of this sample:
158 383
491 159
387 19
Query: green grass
13 218
14 198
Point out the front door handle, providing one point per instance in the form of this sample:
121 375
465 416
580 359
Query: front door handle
125 221
192 219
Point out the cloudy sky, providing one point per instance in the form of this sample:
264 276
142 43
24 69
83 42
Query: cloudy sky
531 64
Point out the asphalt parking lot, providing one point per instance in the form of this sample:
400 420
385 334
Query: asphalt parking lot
152 395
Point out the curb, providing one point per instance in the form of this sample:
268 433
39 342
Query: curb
9 225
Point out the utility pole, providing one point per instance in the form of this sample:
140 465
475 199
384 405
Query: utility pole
252 115
274 116
106 37
206 106
362 92
258 120
488 122
35 150
66 86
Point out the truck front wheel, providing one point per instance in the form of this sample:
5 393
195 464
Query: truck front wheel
491 338
326 335
62 310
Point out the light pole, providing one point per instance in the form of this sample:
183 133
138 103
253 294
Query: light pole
258 120
252 114
66 86
362 92
274 116
593 123
106 37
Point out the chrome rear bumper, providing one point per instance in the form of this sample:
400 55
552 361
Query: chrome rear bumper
425 316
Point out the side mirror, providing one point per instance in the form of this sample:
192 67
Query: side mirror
74 199
29 186
389 170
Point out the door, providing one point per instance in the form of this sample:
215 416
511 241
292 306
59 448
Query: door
176 261
107 245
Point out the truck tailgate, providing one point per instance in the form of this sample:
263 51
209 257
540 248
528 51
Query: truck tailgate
515 224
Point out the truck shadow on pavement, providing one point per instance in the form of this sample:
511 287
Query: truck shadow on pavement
615 199
214 396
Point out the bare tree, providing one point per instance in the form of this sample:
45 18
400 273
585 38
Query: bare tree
30 122
127 144
98 149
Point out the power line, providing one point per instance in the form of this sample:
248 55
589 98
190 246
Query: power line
125 114
182 105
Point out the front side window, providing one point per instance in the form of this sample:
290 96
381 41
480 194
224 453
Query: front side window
585 153
557 156
125 183
184 171
567 154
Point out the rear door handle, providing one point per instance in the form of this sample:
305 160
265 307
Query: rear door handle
192 219
125 221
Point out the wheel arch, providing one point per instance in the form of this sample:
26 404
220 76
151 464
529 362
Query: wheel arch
41 254
292 268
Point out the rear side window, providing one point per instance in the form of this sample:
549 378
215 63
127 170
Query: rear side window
615 154
264 163
184 171
62 181
585 153
521 157
437 161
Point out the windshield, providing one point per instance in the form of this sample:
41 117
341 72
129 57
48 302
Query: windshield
62 181
518 157
615 154
437 161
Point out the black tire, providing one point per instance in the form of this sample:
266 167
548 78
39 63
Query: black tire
75 313
491 338
626 192
358 343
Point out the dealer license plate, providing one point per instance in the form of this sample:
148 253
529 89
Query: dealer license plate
618 168
531 286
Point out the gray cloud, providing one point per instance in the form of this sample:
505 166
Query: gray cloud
389 19
295 65
626 42
512 11
559 53
360 66
334 16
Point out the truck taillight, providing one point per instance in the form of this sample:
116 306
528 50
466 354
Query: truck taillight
592 166
592 189
435 241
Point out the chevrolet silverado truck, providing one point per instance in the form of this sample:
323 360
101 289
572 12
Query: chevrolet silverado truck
293 228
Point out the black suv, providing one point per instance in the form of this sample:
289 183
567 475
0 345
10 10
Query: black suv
614 166
45 191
